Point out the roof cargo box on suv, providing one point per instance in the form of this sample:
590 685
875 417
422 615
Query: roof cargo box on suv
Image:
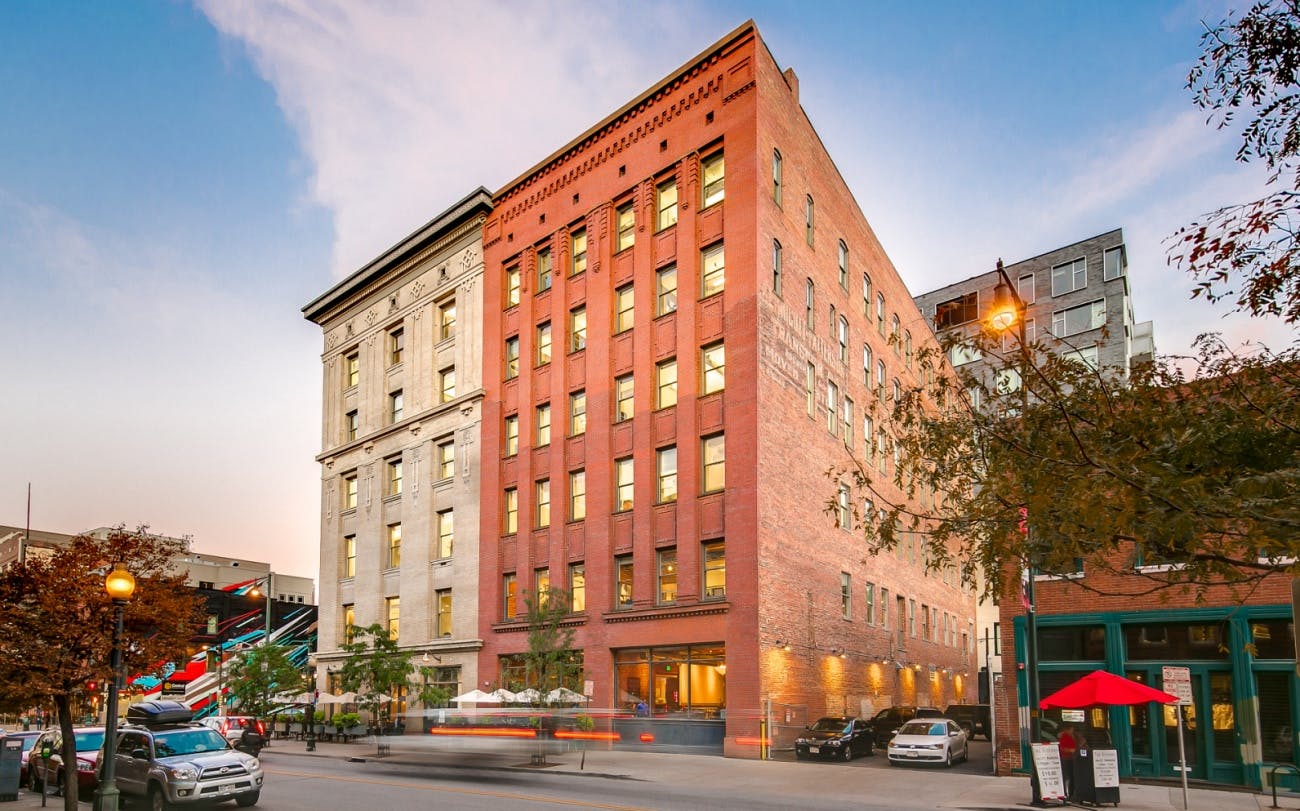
157 713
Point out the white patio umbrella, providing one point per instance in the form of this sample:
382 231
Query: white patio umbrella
476 696
529 696
503 695
380 697
301 698
330 698
563 695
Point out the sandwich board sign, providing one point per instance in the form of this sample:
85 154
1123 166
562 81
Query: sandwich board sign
1051 778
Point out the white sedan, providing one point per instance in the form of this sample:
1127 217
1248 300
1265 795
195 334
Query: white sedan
928 740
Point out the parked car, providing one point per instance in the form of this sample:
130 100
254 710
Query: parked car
29 739
974 718
232 727
929 740
163 757
88 742
891 718
836 737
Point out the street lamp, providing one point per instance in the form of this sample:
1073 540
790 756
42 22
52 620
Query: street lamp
270 589
120 585
1009 310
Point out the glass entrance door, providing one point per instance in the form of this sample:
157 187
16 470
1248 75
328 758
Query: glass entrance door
1193 738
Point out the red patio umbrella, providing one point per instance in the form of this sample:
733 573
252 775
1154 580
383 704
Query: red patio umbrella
1101 687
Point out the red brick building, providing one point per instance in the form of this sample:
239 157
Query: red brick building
687 321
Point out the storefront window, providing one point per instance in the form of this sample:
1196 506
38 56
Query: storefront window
516 674
1071 643
1274 639
680 682
1223 717
1275 725
1175 640
1139 719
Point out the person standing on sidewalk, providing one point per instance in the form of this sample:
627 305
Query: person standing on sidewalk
1068 742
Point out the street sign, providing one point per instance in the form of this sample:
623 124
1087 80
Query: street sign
1177 681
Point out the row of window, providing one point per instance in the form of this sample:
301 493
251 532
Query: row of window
444 469
395 345
713 581
444 546
713 466
392 616
936 625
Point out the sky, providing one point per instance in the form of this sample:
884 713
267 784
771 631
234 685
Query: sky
177 180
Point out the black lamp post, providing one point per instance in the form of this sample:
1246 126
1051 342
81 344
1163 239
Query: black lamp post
1009 309
120 585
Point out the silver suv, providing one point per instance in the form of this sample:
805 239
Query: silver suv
182 764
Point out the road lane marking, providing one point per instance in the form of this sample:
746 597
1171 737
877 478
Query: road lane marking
452 790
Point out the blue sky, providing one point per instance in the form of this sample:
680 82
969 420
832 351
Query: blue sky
177 180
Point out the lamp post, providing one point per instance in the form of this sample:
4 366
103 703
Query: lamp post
1009 310
120 585
270 589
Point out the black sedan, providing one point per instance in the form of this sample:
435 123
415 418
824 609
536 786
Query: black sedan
836 738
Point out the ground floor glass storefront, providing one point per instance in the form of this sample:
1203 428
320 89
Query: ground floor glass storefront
685 681
1242 663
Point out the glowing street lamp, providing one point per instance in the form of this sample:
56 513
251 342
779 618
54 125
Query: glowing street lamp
120 585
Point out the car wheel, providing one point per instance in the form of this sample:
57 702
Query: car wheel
848 753
948 758
58 784
246 800
34 782
157 800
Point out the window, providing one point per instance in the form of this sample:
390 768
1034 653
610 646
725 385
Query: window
666 383
666 474
578 252
846 595
898 390
884 607
577 329
512 358
396 345
544 343
911 618
349 621
832 408
446 320
577 495
510 524
1087 356
844 516
713 368
349 556
880 379
666 198
810 384
844 339
623 309
1025 288
351 370
394 477
895 337
714 459
395 406
350 422
542 586
577 413
543 425
512 435
350 491
623 581
623 405
907 348
1112 264
446 527
925 621
831 321
446 460
866 365
622 484
809 301
512 286
626 223
713 177
447 384
1006 381
1079 319
666 574
577 587
844 265
1070 276
714 265
869 606
542 500
960 310
776 176
848 422
666 290
508 587
776 267
808 211
442 627
543 271
394 545
963 353
715 570
866 295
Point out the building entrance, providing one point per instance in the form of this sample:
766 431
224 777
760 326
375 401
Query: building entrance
1209 729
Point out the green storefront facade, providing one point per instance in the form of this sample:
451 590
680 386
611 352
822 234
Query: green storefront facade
1243 667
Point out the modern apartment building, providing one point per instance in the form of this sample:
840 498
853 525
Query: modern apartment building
686 321
400 447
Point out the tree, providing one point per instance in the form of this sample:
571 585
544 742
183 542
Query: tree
549 659
374 668
260 675
56 629
1196 469
1251 64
